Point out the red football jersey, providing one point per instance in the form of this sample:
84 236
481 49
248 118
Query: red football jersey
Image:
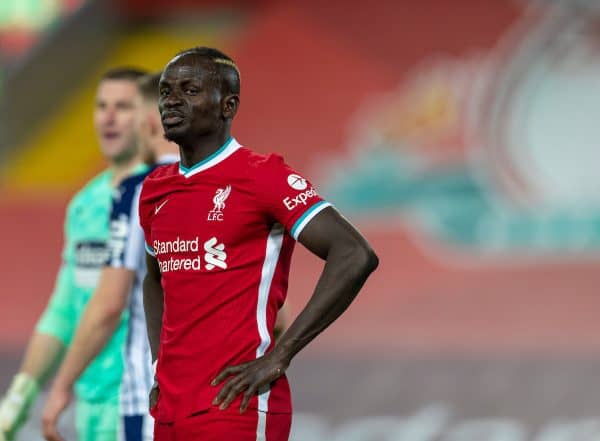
223 234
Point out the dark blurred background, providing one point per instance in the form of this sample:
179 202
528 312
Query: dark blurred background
462 137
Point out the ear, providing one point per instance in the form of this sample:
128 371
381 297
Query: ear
230 106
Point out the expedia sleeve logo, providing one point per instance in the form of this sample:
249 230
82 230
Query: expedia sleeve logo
297 182
300 199
90 257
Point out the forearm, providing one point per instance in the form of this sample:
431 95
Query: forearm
345 272
95 329
282 322
347 268
153 308
42 355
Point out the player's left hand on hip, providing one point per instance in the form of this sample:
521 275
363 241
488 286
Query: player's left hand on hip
247 378
58 400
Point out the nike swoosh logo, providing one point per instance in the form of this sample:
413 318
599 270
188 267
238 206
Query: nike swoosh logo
157 208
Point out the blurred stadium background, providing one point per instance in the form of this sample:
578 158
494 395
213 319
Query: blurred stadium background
461 136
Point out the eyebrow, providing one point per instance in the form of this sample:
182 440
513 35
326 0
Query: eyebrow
165 82
190 80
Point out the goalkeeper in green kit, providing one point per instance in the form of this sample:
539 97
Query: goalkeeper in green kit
84 254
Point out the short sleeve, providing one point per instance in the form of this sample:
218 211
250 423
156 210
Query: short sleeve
287 196
126 243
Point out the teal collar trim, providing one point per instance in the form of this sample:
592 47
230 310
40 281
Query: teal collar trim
230 146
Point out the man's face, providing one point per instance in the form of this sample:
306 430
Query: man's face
115 118
190 99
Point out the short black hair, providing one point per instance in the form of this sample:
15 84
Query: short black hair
124 73
225 68
148 86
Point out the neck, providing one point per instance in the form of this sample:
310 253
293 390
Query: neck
202 147
164 147
122 169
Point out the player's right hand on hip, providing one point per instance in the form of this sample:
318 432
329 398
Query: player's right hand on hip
15 405
153 398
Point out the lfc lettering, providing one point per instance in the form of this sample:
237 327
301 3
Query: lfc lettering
215 216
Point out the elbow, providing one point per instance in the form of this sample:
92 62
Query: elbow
113 312
364 260
112 309
373 260
369 259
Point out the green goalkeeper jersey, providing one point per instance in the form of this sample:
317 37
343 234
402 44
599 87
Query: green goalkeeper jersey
84 254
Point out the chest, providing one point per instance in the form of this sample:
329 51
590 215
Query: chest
90 220
88 232
220 223
221 208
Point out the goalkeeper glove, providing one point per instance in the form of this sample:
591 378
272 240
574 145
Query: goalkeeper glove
15 405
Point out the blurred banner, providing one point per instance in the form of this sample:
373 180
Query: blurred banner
23 21
462 138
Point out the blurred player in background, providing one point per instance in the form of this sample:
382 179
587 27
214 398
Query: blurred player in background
220 229
120 287
85 251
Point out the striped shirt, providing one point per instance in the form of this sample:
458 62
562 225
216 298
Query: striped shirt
126 247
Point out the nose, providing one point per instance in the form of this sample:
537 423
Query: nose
171 100
110 115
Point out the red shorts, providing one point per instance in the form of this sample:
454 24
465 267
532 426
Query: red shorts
227 425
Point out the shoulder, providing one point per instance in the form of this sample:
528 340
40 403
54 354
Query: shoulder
96 187
126 195
158 176
260 163
130 186
101 181
133 181
158 183
268 172
163 171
